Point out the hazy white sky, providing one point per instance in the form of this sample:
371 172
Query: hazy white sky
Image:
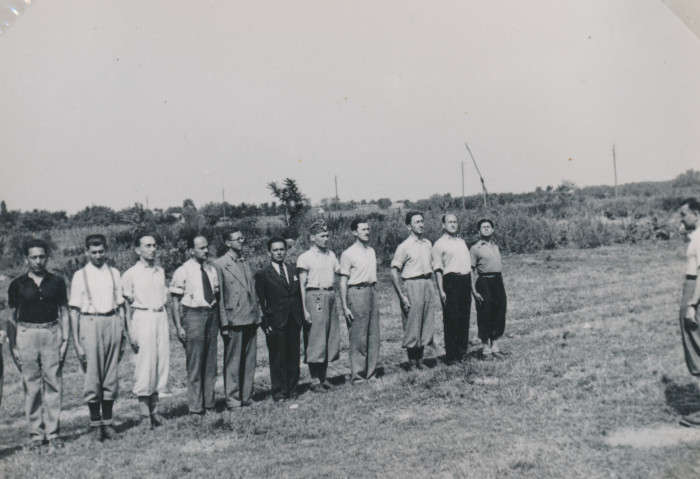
106 102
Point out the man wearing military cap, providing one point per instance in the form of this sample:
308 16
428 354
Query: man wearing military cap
317 268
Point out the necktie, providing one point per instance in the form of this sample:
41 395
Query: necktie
284 276
206 285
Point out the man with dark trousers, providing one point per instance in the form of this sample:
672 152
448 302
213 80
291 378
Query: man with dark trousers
239 317
195 292
452 265
279 294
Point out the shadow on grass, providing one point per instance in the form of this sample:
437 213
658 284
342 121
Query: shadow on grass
8 451
684 398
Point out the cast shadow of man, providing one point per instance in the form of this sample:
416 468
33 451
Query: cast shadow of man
683 398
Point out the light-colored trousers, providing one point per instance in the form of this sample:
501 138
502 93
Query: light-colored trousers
101 338
419 323
40 352
363 331
152 362
322 337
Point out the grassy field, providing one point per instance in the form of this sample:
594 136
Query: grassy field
592 386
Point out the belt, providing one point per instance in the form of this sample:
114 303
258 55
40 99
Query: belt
199 308
691 276
48 325
423 276
455 274
108 313
319 289
489 275
366 284
152 310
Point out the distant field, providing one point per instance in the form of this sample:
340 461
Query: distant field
592 386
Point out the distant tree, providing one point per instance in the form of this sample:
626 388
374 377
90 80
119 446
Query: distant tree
37 220
136 215
94 216
4 216
290 196
689 178
384 203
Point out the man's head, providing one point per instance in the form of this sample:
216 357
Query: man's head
277 247
449 224
690 213
96 248
360 229
234 240
414 221
485 227
198 247
146 247
318 233
36 254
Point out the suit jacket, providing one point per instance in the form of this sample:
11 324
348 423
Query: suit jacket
278 299
238 305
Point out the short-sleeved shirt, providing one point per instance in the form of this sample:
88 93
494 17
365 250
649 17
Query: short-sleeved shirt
359 264
187 282
451 255
104 286
37 304
144 286
413 257
486 257
321 267
693 253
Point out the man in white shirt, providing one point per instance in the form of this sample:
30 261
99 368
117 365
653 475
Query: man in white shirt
360 300
690 313
98 321
195 290
452 265
143 287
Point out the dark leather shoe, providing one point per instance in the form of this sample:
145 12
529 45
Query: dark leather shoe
278 397
317 388
108 432
246 403
326 385
157 419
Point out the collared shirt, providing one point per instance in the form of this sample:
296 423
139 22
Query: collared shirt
451 255
413 257
187 282
693 253
486 257
284 269
359 264
37 304
144 286
104 286
321 267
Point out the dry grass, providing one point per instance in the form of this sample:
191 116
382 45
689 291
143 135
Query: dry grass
593 348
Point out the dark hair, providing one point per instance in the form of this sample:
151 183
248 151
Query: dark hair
140 236
357 222
190 240
484 220
35 243
446 215
692 203
227 235
275 239
411 214
95 240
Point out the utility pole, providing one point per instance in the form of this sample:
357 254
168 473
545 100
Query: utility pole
462 185
223 203
615 169
337 200
483 184
146 203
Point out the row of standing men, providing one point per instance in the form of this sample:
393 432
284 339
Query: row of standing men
107 310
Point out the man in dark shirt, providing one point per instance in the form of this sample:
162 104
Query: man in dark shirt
38 333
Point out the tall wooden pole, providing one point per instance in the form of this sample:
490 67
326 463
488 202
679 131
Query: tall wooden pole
615 169
483 183
223 202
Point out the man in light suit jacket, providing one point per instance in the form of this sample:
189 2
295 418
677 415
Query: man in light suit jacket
239 320
277 287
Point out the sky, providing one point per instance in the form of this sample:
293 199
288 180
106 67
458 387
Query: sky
109 102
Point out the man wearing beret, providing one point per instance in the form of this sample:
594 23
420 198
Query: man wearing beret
317 268
415 289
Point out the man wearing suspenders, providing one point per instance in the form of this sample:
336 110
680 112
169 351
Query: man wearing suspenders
97 318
